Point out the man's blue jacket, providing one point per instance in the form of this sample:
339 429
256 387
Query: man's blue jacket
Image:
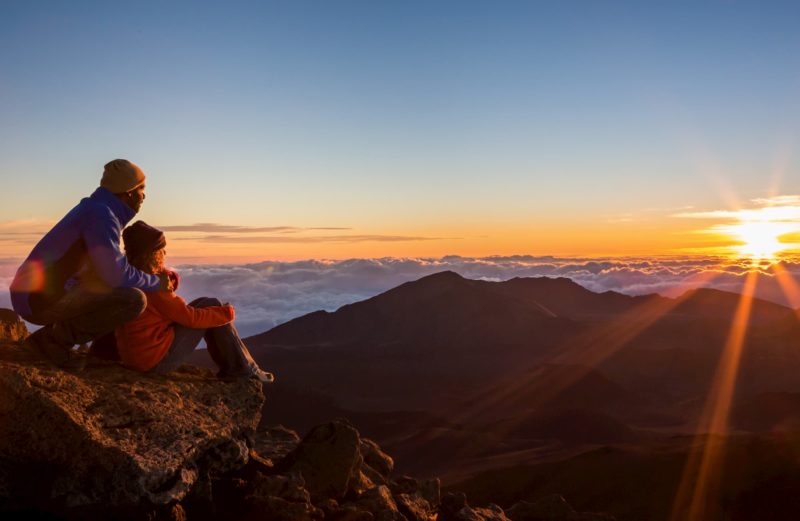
84 243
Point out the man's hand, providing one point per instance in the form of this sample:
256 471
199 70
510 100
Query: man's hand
166 282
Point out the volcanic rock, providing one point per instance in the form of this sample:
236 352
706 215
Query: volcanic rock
454 507
330 460
12 328
109 438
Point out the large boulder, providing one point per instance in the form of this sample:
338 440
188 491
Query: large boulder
12 328
107 437
330 461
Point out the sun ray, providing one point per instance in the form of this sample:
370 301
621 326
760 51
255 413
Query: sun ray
700 479
787 283
592 348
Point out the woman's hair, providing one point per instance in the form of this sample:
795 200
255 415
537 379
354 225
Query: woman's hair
151 262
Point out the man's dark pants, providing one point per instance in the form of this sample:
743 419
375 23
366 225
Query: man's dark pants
81 315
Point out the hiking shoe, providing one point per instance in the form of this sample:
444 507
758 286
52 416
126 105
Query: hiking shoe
52 351
262 376
257 374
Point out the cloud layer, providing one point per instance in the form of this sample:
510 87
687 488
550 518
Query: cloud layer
269 293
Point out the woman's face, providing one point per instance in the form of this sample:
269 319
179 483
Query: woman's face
157 259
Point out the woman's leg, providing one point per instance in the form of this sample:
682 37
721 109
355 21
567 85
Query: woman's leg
228 350
185 342
226 347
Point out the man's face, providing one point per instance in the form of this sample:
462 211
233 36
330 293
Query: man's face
135 198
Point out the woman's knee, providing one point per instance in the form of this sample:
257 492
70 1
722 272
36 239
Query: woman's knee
131 300
204 302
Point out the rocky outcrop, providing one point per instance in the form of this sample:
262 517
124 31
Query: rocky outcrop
455 508
105 437
98 441
12 328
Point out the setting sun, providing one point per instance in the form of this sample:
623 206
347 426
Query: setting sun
759 239
756 233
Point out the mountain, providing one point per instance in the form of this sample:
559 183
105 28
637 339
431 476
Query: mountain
443 310
433 343
533 386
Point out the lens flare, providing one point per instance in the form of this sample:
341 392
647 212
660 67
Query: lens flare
760 239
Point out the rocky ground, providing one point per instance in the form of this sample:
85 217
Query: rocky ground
97 441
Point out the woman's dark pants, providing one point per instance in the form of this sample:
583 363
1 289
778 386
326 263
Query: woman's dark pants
223 342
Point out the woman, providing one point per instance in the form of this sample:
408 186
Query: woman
165 334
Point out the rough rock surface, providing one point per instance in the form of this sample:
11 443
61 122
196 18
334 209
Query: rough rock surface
100 442
105 435
455 508
12 328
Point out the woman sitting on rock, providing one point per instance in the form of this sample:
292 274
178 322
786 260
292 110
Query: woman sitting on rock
165 334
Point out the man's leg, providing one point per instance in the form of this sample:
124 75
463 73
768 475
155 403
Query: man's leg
81 316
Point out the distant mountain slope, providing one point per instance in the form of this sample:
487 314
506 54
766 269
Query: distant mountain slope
717 304
443 309
567 298
456 355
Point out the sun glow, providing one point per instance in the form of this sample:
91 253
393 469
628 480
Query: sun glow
760 239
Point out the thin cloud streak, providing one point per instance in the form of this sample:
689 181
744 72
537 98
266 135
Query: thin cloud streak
228 239
225 228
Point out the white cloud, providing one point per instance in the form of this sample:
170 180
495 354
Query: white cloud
269 293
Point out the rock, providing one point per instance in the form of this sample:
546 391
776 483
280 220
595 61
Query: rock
277 509
454 507
414 507
289 487
390 515
427 489
551 508
376 458
328 458
350 513
430 491
109 437
275 442
377 499
12 328
280 497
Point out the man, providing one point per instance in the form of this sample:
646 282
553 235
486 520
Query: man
76 282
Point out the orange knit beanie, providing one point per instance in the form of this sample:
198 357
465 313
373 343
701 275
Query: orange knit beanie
120 176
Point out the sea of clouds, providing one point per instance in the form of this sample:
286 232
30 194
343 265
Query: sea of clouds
269 293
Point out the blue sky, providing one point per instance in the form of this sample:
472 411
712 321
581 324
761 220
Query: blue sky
475 127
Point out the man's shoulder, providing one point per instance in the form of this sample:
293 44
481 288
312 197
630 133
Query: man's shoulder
94 212
95 207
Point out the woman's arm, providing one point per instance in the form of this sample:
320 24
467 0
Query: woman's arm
174 308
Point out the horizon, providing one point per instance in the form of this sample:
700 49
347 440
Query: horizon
268 293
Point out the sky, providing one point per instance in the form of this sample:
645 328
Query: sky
335 130
304 155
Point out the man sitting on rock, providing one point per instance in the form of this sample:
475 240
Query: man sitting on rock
76 282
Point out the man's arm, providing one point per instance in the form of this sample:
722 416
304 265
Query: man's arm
102 236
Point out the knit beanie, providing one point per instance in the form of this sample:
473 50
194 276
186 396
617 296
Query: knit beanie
141 239
120 176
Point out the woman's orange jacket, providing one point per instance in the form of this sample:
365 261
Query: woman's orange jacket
144 341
